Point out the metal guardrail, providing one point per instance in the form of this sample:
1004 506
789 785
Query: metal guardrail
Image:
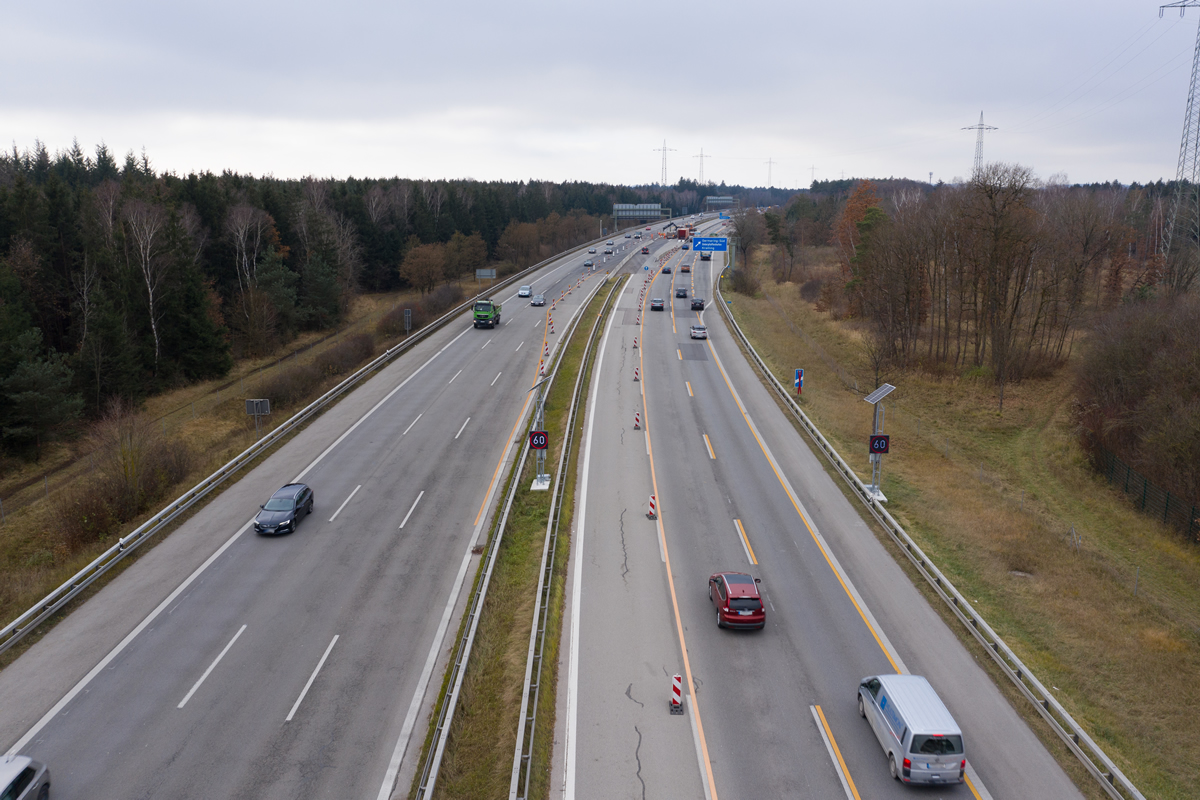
527 718
449 700
1095 760
16 630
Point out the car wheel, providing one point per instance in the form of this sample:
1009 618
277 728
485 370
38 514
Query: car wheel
862 712
44 794
308 510
719 623
892 766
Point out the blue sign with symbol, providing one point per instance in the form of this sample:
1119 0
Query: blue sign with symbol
710 244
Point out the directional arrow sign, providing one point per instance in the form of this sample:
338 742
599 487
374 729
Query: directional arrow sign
710 244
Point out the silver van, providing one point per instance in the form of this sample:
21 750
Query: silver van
922 741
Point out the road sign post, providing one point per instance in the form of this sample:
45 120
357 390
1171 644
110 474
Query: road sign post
256 409
539 440
879 443
799 381
407 321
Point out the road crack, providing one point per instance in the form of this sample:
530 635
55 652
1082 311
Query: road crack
628 693
624 550
637 754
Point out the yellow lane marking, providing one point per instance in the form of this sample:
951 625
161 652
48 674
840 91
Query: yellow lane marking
746 541
679 353
662 537
708 444
796 505
689 385
971 786
837 751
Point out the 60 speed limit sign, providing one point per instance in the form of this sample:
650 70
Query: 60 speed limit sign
538 440
879 443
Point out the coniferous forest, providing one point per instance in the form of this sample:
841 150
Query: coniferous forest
117 281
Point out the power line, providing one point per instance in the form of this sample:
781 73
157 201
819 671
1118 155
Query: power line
769 162
1185 206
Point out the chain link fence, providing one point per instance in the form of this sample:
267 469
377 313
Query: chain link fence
1153 500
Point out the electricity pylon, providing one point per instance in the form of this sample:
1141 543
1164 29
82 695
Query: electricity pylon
979 143
1185 205
701 157
665 150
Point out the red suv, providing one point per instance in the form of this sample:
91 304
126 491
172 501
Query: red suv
739 605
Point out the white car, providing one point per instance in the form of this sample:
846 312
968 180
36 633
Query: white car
699 332
525 291
22 778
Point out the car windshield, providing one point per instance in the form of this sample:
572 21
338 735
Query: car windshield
745 604
280 504
937 745
699 328
483 306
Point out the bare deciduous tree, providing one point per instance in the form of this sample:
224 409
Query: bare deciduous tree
145 224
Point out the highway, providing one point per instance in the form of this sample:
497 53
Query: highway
770 713
225 664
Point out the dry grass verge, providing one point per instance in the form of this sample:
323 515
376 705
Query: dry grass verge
992 499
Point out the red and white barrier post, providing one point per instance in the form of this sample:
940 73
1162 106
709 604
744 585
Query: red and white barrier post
637 420
635 343
653 513
677 694
636 375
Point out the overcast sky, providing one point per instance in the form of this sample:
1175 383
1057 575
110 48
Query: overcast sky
572 91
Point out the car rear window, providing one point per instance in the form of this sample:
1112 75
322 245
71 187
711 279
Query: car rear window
739 579
280 504
745 604
937 745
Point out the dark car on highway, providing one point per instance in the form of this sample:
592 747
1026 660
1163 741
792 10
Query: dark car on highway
22 778
645 251
282 513
666 270
538 300
738 603
681 291
697 304
656 304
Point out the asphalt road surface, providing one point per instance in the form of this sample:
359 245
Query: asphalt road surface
770 713
225 664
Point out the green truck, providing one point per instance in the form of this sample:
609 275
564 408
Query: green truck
487 313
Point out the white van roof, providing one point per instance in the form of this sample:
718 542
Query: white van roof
922 709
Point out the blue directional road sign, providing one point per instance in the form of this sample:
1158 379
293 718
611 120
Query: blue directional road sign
710 244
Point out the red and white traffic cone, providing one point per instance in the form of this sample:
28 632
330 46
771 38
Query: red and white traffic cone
677 694
637 420
552 325
635 343
635 374
542 368
653 513
546 351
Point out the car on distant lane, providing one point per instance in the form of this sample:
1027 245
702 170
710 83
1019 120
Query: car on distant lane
592 250
684 246
737 600
699 332
697 304
525 291
538 300
588 263
628 235
645 251
657 304
681 291
666 270
609 242
283 512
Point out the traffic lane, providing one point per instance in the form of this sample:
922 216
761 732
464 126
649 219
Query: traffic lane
329 576
627 742
51 667
1001 747
759 685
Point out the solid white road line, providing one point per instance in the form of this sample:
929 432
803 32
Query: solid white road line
498 374
211 667
741 532
343 505
311 678
455 376
522 344
460 430
539 322
572 732
414 422
485 344
414 508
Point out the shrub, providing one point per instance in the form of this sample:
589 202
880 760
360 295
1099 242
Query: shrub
743 282
346 354
289 386
392 323
443 298
83 514
810 290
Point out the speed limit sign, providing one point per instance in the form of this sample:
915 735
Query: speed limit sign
879 443
538 440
